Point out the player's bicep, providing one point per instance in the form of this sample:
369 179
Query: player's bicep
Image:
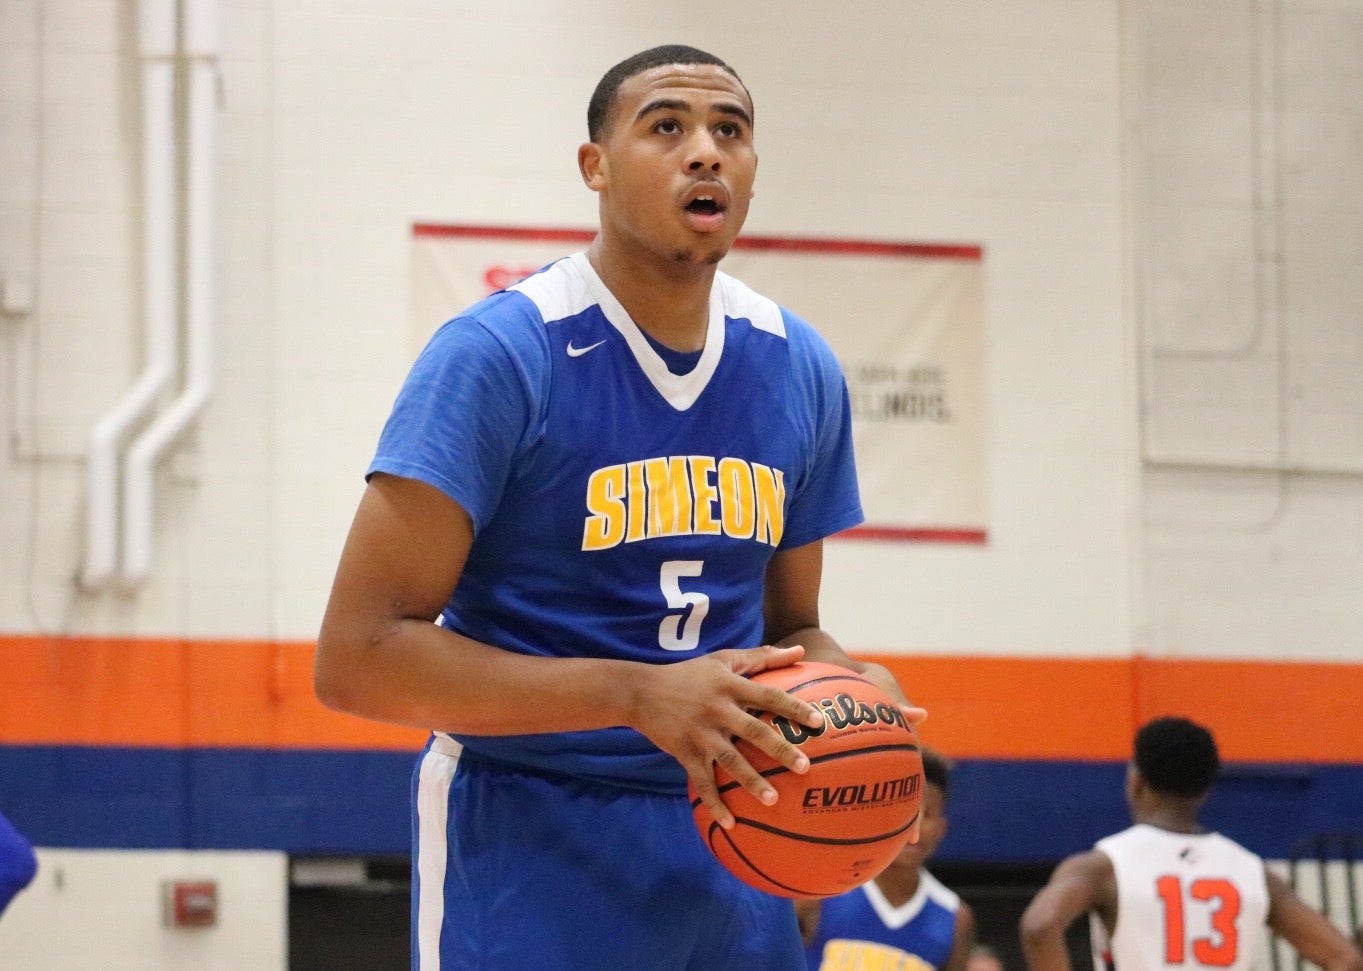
401 561
963 940
1077 886
790 599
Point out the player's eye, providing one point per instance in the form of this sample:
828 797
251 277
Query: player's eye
730 129
667 126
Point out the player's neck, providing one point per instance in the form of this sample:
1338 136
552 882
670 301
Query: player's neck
670 303
1173 820
898 886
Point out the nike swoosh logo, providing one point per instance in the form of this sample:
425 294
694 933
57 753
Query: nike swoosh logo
579 351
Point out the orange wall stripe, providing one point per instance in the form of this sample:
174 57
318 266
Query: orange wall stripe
78 691
1268 712
1019 708
1041 708
170 693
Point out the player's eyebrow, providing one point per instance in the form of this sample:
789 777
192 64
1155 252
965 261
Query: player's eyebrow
677 104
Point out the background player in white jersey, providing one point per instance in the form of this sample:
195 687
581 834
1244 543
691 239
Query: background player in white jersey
904 919
609 484
1166 893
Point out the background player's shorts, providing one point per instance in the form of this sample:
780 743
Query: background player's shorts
520 870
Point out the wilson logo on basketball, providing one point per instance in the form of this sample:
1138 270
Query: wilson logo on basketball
862 794
840 712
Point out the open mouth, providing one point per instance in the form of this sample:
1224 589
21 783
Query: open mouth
704 206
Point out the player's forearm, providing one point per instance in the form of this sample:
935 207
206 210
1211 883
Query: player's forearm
1042 928
819 645
1045 950
1341 957
426 676
1350 962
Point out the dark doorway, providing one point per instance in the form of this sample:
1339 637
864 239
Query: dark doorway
999 893
349 914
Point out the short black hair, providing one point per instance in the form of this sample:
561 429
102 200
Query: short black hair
603 98
1177 757
936 770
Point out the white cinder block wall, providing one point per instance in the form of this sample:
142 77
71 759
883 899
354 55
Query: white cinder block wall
1166 194
89 910
342 124
1249 275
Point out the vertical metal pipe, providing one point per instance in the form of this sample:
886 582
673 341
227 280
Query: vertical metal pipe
201 50
156 48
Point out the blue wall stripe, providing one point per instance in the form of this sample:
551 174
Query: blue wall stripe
356 802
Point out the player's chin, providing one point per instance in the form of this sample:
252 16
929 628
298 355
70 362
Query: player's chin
704 255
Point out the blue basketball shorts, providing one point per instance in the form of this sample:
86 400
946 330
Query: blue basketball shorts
515 870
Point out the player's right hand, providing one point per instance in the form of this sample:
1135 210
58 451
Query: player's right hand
696 710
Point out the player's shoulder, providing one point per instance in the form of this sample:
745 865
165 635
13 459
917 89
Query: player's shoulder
803 340
1095 868
742 302
1134 835
557 291
1230 847
513 321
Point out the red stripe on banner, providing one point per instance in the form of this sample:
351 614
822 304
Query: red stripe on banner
178 694
916 534
505 232
789 244
863 247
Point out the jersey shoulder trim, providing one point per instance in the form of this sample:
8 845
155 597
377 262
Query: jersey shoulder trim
930 890
556 291
741 302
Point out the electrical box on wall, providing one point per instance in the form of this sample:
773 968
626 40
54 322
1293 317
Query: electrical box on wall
189 903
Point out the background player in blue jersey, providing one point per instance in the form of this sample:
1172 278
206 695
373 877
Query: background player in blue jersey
903 919
598 503
18 863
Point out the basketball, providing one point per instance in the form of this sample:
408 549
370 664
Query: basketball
842 822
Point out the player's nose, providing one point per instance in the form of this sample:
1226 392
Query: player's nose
702 151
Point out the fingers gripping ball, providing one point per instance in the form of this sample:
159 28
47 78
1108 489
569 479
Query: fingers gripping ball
843 821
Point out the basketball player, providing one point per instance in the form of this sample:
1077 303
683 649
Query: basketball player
599 503
904 918
18 863
1166 893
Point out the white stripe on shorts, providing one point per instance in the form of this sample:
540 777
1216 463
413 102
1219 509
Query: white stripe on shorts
432 812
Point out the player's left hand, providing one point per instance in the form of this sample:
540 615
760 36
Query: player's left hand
880 676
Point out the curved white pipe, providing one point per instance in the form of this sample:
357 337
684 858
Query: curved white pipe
201 47
156 47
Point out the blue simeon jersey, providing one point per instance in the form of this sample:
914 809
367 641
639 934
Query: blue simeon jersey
862 931
621 510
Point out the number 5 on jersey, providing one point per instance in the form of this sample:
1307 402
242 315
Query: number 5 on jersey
680 631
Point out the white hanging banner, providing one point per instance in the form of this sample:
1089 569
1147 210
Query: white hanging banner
905 319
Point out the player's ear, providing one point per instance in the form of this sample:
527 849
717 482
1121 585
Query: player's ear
591 162
1135 784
